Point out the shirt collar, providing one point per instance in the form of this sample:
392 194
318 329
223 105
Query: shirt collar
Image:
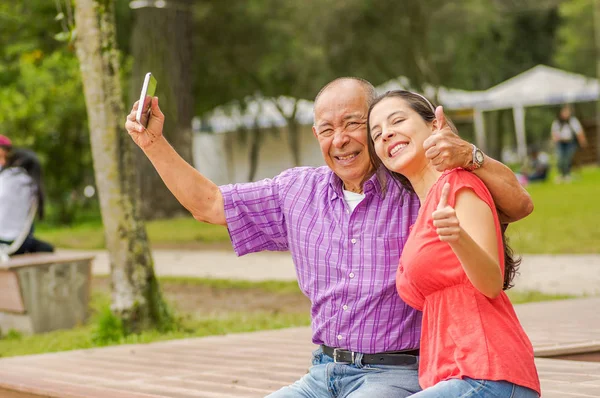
371 186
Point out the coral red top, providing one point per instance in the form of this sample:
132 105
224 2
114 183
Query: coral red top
464 333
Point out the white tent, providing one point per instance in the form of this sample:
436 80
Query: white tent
541 85
259 111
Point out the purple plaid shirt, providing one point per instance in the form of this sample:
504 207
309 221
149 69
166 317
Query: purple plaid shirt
345 261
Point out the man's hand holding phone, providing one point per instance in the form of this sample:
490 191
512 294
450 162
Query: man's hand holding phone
145 121
148 90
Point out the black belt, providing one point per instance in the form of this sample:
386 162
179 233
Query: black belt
385 358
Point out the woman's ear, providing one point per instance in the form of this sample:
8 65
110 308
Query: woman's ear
434 125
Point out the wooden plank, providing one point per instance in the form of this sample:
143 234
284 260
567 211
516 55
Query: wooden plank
586 357
15 394
33 259
10 293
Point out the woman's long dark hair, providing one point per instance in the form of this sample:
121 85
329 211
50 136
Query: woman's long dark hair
424 108
27 160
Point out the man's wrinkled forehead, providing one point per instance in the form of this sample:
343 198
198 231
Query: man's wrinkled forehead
340 106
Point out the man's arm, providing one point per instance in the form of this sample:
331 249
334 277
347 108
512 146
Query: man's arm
195 192
512 200
446 150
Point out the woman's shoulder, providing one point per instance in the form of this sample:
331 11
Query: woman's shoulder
575 123
15 175
459 179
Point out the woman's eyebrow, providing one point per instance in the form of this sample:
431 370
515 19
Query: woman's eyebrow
397 113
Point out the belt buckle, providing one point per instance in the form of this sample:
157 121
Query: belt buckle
336 352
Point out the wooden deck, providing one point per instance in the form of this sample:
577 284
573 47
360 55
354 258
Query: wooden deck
255 364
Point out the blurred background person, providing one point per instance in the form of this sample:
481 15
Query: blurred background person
21 199
5 147
538 165
568 135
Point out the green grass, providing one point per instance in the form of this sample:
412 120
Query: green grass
90 235
522 297
82 337
271 286
565 219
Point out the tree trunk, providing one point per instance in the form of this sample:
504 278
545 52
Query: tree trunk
255 141
294 136
136 296
162 44
293 129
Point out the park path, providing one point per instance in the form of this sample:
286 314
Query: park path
553 274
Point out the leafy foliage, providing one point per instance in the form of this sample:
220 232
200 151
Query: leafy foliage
42 103
272 48
576 50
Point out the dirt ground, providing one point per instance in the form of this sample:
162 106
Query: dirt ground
201 300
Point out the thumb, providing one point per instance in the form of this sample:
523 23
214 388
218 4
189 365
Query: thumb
155 108
444 198
440 117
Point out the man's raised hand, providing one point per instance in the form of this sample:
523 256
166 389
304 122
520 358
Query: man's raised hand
155 119
444 148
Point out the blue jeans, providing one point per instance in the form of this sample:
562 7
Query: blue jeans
566 152
327 379
456 388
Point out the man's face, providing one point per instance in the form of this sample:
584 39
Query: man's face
3 156
341 129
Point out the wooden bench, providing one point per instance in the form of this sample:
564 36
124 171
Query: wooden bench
44 291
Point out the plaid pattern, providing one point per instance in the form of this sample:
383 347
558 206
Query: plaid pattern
345 261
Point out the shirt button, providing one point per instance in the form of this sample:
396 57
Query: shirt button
353 240
347 211
351 275
345 308
339 337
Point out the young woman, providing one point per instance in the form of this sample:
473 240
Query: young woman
20 190
454 265
568 135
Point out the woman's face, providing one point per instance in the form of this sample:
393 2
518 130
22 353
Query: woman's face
398 133
565 113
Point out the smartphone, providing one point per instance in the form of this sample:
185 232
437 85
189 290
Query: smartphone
148 89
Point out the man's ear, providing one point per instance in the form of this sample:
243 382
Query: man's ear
314 130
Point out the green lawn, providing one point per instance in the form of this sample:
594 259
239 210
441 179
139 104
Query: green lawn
565 220
83 337
178 231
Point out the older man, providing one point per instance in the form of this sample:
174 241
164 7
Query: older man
345 233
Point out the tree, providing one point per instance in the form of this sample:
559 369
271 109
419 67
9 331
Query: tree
136 296
161 43
576 46
42 105
269 49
